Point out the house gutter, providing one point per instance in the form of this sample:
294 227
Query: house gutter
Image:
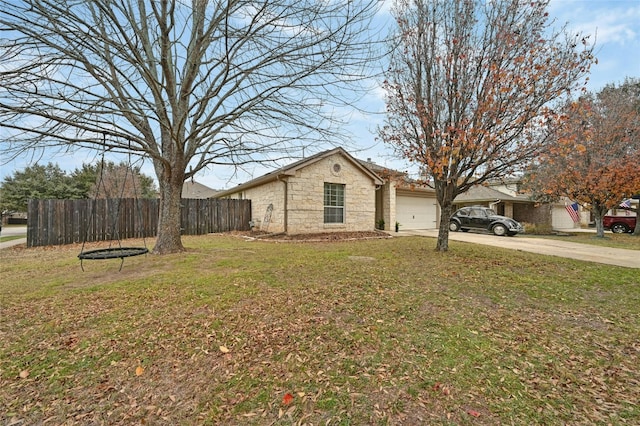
285 204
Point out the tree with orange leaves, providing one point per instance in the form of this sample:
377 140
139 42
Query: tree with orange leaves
594 159
469 89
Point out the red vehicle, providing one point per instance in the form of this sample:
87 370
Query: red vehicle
619 224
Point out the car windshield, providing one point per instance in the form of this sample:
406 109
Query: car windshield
490 212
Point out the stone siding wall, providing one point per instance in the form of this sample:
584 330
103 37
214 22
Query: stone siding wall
306 197
304 203
389 205
261 197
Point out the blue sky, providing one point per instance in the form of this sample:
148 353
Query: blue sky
613 24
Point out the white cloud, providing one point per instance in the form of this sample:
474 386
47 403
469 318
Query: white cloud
613 26
613 21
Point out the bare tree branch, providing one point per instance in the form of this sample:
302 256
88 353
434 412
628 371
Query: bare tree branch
186 83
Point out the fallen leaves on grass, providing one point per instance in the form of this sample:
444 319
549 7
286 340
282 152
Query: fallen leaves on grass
308 335
287 399
443 389
473 413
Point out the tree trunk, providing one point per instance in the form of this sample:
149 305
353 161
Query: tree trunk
599 227
636 232
443 229
598 213
445 193
169 227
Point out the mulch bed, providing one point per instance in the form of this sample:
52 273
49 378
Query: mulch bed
317 237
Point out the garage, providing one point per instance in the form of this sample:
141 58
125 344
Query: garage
560 219
416 211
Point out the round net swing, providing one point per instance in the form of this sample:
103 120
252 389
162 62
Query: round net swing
110 252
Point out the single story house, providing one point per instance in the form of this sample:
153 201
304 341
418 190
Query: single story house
333 192
327 192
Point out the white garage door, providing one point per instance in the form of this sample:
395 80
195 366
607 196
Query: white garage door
560 219
416 212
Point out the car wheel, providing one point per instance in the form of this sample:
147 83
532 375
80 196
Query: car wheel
499 230
454 226
619 228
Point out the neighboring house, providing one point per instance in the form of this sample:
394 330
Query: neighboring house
506 199
327 192
561 219
13 218
193 189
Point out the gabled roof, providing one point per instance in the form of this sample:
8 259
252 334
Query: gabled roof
402 181
193 189
481 193
381 171
291 170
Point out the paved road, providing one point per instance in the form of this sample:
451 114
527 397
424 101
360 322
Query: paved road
13 230
12 243
586 252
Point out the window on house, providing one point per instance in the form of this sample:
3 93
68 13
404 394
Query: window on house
333 203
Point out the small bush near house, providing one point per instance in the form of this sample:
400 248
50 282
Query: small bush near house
537 228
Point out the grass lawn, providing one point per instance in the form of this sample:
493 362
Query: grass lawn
364 332
624 241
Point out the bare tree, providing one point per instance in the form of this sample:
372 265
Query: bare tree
470 88
189 84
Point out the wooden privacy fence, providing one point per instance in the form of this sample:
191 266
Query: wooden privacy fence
57 222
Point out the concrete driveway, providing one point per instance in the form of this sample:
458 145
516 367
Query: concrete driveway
551 247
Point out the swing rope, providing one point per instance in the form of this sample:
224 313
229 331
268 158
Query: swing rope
110 252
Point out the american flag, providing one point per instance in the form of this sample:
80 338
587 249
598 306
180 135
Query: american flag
572 209
626 204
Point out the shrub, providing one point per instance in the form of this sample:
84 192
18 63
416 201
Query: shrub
537 228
